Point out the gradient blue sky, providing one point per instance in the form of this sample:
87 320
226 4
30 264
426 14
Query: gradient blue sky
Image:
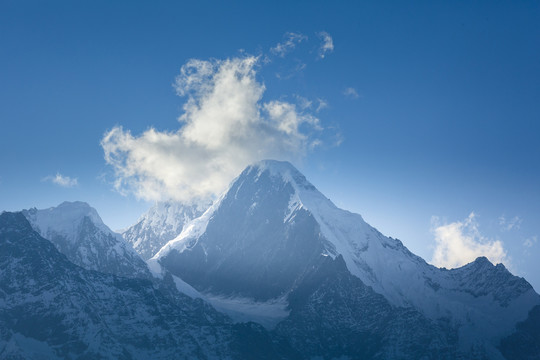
445 123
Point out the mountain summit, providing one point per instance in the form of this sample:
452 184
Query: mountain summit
267 235
78 232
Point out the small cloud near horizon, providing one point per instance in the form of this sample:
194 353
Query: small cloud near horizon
461 242
61 180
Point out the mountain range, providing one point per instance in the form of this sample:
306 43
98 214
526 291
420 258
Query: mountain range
272 269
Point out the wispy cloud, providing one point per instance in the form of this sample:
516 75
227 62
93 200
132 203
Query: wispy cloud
61 180
289 72
290 41
303 102
225 126
510 224
327 45
351 92
461 242
306 104
322 104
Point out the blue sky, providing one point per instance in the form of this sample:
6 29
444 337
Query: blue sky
421 114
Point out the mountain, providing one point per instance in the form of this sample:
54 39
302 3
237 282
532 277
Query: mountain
161 223
271 250
78 232
259 245
51 308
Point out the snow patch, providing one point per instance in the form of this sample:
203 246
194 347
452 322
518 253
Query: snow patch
241 309
187 289
192 231
182 286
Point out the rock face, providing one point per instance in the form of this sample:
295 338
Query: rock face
272 228
334 315
51 308
161 223
78 232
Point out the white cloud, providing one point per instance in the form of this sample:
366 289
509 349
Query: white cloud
225 126
64 181
510 224
460 242
290 42
327 45
351 92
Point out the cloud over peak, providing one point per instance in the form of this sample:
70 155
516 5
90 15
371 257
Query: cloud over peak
225 126
460 243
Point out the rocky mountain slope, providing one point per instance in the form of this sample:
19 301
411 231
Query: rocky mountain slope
161 223
78 232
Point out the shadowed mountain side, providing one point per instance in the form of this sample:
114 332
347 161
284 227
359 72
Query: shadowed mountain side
524 343
51 308
77 231
334 315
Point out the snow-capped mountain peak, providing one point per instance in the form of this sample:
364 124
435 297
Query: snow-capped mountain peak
64 219
266 232
77 231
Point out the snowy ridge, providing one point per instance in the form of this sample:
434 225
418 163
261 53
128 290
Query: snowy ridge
64 219
374 258
161 223
393 271
78 232
192 230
